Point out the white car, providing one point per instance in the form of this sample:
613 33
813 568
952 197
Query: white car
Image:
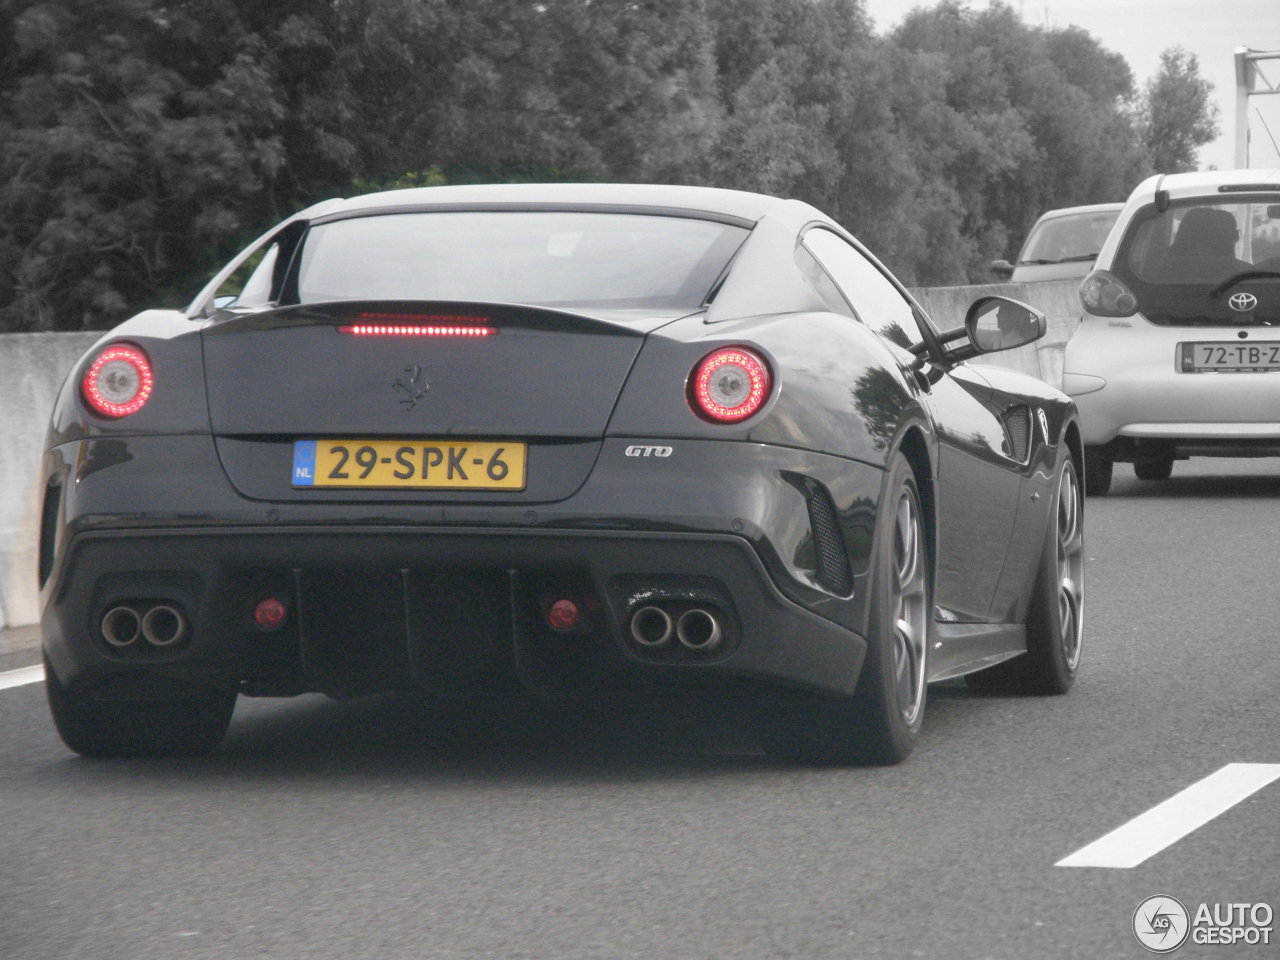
1062 244
1178 351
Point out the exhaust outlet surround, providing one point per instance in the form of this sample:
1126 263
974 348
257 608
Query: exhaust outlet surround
651 627
121 627
699 629
163 625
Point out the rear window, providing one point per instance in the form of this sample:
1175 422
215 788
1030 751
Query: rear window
555 259
1181 263
1077 236
1203 242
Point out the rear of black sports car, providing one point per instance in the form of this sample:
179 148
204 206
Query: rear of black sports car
346 491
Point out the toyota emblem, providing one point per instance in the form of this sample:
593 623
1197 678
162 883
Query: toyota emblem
1243 302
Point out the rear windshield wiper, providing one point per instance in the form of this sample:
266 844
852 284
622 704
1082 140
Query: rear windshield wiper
1240 277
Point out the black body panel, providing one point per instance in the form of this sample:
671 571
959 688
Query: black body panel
142 516
376 579
541 374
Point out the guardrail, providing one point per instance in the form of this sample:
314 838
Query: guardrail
34 365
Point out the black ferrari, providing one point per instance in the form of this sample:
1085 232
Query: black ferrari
580 437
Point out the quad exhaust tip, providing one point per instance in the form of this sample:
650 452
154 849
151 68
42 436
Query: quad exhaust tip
160 625
121 626
163 625
699 630
651 627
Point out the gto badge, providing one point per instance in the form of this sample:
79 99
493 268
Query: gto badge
640 451
414 386
1243 302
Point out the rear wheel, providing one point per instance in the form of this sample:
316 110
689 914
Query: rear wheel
176 718
1154 469
879 723
1055 617
1098 468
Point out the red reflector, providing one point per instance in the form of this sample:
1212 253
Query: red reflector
563 614
119 381
419 325
269 614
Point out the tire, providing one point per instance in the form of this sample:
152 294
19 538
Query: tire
1055 616
174 719
879 724
1154 469
1098 468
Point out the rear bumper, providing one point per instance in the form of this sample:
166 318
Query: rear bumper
1126 380
384 595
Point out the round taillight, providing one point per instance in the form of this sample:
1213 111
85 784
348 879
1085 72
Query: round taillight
1105 295
730 385
118 382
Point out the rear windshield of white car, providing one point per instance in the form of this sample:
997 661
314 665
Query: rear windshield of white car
1185 263
1206 242
553 258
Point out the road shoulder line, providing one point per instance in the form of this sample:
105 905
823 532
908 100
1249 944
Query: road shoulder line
20 678
1166 823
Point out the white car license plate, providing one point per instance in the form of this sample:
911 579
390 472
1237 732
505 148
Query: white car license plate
1230 357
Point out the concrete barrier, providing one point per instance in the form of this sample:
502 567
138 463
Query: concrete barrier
33 366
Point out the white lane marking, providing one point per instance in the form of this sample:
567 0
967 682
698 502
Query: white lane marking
20 678
1166 823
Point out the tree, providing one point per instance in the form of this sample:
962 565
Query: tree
144 139
1177 113
1026 119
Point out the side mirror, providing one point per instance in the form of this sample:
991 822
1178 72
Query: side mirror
998 323
1002 269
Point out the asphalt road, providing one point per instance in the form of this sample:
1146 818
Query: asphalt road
383 829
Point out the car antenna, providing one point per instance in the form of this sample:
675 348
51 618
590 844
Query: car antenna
1162 195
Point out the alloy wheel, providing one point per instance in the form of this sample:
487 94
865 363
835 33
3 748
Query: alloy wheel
909 607
1070 536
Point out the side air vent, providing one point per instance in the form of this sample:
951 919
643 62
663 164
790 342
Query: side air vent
1017 428
49 512
833 560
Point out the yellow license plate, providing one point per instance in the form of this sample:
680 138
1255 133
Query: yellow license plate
410 464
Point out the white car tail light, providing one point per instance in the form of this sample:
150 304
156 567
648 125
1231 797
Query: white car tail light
1105 295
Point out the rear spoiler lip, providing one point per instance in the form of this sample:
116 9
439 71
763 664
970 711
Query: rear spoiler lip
622 322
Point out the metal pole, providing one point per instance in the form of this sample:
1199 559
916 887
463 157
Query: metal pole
1251 81
1244 84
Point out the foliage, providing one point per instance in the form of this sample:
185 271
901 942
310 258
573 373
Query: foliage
1030 119
143 141
1177 115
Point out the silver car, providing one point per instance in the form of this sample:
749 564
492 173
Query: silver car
1062 244
1178 352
